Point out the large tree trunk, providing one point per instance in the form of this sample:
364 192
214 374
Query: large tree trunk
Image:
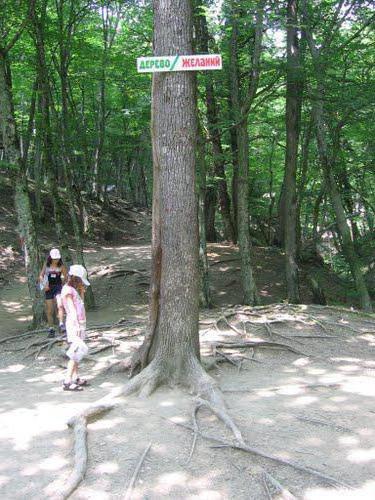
171 349
292 119
26 225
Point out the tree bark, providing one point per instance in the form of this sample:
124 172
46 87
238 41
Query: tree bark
215 135
44 124
294 86
241 109
65 42
210 213
205 292
171 348
26 224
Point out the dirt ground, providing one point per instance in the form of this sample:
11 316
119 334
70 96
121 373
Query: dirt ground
314 407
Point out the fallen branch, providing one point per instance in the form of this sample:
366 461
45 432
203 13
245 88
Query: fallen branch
133 479
79 425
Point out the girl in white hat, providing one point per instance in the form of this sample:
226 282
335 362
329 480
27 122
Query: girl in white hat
51 281
72 296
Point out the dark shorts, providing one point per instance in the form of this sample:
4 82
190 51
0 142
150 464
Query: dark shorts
53 291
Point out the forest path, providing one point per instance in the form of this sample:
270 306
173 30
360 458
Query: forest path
315 410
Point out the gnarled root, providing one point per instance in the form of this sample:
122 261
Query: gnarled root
79 425
145 382
208 394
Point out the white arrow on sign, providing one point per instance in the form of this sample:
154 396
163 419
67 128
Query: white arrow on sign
179 63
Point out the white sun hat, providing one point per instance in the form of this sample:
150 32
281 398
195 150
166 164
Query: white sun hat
80 272
55 253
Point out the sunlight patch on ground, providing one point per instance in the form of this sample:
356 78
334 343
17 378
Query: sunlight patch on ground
10 306
107 468
361 455
12 369
364 492
360 385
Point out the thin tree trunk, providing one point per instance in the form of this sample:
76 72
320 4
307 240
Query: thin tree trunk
303 180
241 109
294 87
205 292
270 190
65 34
215 135
210 213
45 127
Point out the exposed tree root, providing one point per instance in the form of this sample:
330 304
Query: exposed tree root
208 394
274 489
23 335
196 430
280 387
133 479
116 367
244 447
316 421
260 344
79 425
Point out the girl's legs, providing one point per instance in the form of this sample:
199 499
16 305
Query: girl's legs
50 306
60 312
70 371
71 377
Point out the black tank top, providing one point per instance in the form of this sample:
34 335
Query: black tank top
54 276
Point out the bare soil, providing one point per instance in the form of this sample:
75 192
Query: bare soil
314 407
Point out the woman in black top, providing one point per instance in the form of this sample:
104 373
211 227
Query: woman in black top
51 279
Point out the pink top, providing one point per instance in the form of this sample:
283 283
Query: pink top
75 316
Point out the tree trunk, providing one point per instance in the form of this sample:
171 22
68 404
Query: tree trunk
65 35
171 348
241 109
26 225
46 134
303 180
215 135
210 213
205 292
250 295
294 87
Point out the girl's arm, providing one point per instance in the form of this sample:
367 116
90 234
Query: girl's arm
64 272
42 273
